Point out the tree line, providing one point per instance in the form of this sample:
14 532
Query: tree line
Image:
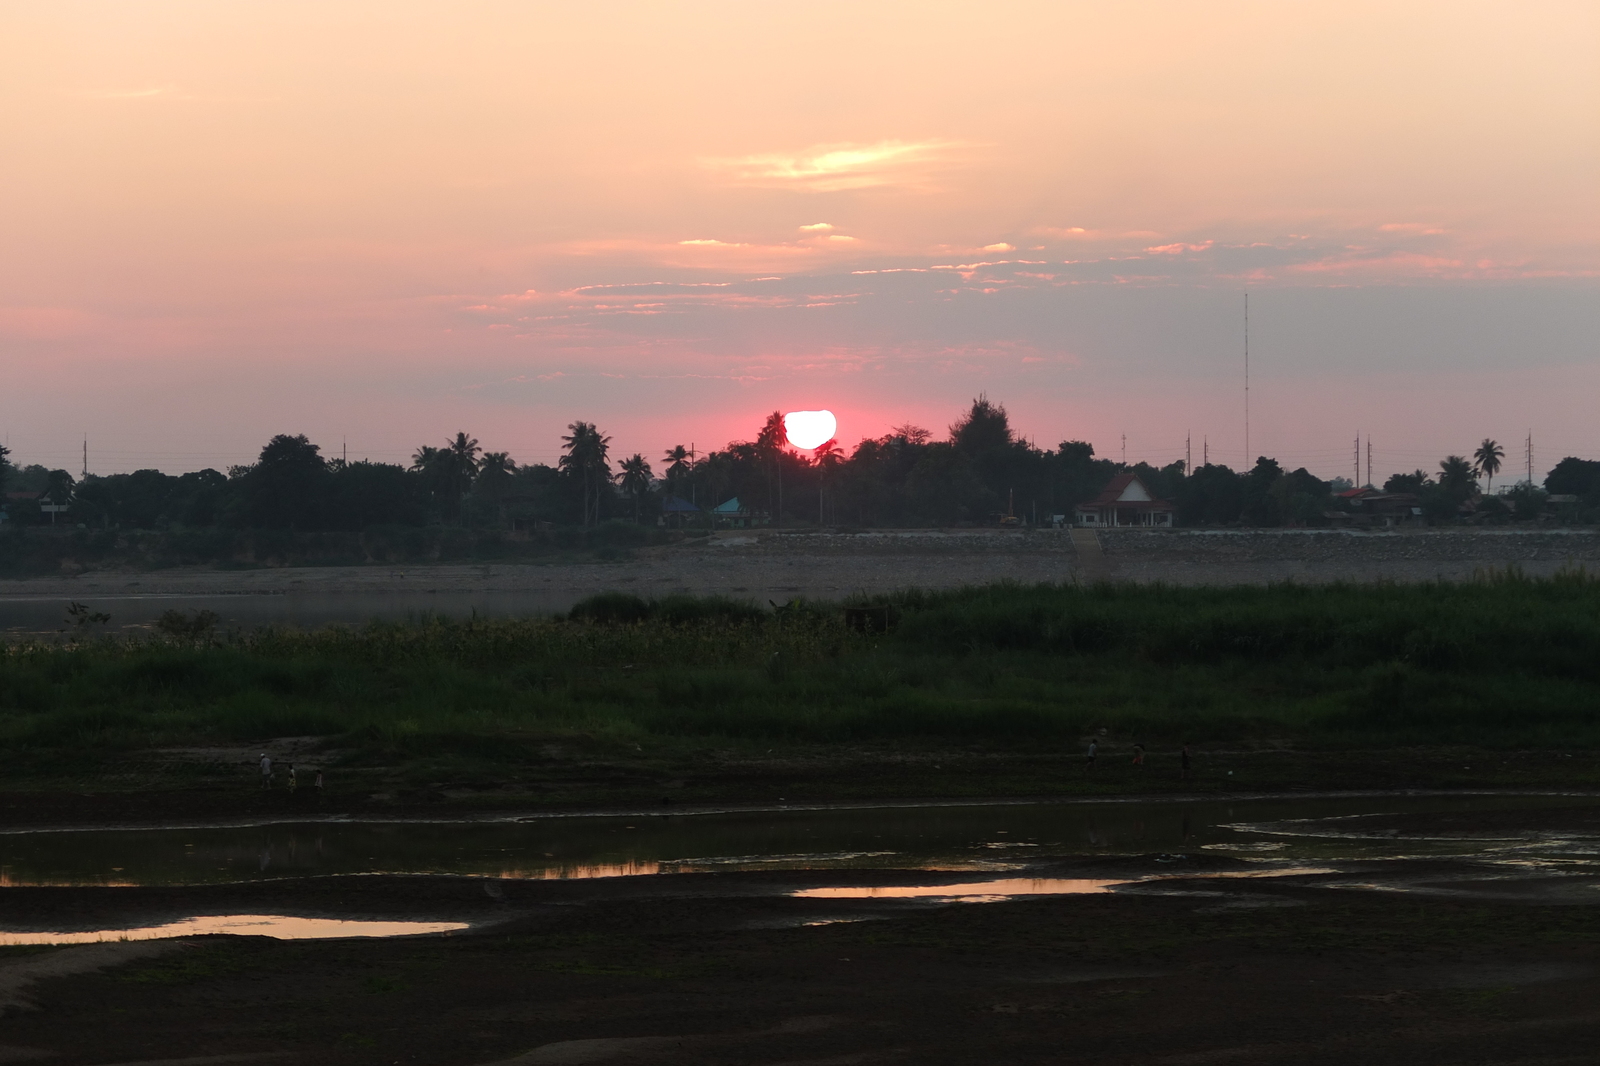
982 473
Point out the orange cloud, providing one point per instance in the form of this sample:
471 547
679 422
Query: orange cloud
835 167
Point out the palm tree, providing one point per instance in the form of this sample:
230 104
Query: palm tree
1455 476
495 470
828 457
434 465
1488 458
635 480
586 459
462 457
769 444
678 464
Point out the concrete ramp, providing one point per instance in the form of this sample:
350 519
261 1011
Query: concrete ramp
1092 565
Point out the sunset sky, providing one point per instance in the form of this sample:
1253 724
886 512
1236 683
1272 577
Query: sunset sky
383 222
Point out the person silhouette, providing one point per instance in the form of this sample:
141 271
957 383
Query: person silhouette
266 770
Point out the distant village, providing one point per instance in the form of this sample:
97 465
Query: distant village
982 474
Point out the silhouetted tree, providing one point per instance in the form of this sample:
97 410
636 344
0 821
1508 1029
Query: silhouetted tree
984 430
635 480
496 475
769 446
828 458
1487 460
679 465
285 487
1414 482
1574 477
461 462
586 460
1456 477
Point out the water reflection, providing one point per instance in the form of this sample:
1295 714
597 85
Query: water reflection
277 926
1520 831
970 892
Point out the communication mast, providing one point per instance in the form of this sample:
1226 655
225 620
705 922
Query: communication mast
1247 463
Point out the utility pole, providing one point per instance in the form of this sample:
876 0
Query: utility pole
693 488
1188 454
1530 457
1205 451
1357 482
86 456
1124 449
1369 460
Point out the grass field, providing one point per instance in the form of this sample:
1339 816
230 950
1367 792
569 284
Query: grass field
1506 662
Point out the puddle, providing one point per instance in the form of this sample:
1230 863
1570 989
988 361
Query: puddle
278 926
1544 846
970 892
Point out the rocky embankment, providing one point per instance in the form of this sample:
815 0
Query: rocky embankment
1255 556
780 565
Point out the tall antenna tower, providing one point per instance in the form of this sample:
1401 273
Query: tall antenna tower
86 456
1124 449
1188 453
1369 459
1530 456
1247 463
1356 483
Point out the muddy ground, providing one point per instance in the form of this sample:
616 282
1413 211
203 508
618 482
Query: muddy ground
204 786
724 971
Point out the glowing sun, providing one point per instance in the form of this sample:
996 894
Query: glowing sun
810 429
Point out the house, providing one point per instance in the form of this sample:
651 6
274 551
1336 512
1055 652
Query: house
733 513
675 510
1126 502
1374 507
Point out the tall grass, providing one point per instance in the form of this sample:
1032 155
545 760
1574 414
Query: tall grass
1499 661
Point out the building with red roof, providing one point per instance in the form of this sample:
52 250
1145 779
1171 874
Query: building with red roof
1126 502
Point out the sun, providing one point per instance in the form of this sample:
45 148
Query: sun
810 429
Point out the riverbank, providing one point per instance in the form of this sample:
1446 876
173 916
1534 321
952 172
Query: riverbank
981 692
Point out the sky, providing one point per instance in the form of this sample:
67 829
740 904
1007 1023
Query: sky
381 223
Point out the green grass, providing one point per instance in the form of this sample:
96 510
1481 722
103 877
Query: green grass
1503 661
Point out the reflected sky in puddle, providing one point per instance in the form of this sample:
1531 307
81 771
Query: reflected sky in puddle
970 892
278 926
1000 840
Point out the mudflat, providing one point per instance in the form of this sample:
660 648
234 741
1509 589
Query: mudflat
1280 974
